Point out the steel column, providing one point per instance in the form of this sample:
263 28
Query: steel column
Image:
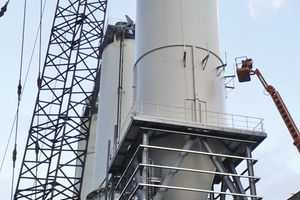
223 189
137 176
220 167
145 158
250 172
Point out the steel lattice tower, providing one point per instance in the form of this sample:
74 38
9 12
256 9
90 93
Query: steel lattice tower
66 88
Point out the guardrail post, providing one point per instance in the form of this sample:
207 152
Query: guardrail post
133 110
173 117
142 108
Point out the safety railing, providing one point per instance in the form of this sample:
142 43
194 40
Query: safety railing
126 185
193 116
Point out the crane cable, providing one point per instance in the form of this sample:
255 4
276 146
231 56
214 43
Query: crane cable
14 157
39 83
4 8
24 85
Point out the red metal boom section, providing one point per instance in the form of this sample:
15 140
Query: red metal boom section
289 122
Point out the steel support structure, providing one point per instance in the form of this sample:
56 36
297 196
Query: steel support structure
251 172
68 89
160 193
145 158
134 175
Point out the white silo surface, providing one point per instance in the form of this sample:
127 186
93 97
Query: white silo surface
108 101
172 39
164 31
86 186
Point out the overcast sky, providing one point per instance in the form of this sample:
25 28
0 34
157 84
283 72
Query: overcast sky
265 30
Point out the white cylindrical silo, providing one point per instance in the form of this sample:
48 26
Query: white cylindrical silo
86 186
115 93
178 65
173 38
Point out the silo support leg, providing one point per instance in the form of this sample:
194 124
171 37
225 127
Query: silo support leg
223 189
137 176
220 167
211 195
145 158
160 193
250 172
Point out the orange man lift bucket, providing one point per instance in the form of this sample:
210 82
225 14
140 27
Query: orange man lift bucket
243 74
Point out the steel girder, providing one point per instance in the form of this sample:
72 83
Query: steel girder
59 124
129 179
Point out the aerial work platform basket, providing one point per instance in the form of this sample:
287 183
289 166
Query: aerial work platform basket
243 74
244 71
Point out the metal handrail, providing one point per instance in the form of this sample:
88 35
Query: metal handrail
181 114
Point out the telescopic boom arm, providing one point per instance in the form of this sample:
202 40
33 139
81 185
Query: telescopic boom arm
288 120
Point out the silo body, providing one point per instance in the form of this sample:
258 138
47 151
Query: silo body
173 38
89 162
108 100
177 60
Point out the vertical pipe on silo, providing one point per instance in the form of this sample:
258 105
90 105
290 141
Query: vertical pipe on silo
107 165
120 84
114 105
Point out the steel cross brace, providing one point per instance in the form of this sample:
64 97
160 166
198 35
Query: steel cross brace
160 193
220 167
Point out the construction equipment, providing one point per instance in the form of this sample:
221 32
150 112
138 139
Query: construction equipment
244 71
58 124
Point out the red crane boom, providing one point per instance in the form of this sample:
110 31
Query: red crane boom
244 73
